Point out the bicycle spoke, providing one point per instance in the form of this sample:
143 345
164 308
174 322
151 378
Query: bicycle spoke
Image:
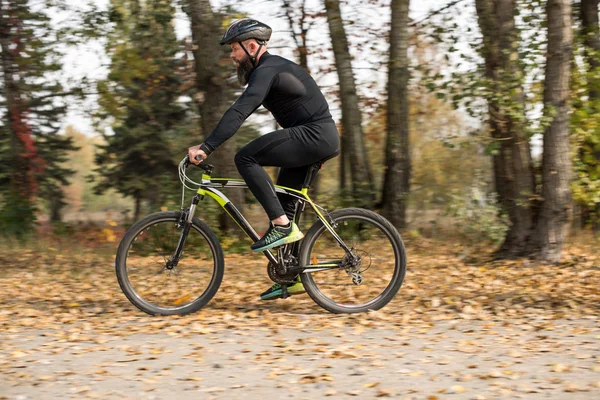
169 288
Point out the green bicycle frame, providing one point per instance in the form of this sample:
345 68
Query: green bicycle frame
209 187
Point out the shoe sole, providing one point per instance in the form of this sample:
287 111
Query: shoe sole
294 237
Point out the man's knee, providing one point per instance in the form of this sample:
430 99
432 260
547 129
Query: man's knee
241 158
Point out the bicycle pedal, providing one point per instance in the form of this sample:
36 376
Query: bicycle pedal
284 292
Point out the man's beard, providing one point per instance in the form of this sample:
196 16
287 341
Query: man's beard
244 69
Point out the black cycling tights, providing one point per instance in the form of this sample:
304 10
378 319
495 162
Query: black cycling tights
294 150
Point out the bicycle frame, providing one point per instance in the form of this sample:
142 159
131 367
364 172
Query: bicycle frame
209 187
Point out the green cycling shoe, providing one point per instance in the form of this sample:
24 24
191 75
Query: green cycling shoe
278 235
275 291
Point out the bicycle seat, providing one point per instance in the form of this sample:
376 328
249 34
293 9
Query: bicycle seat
313 169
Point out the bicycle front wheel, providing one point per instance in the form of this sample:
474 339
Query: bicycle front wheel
148 278
368 277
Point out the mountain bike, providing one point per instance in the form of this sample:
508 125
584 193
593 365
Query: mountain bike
350 260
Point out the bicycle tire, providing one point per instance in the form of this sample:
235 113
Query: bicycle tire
147 306
315 232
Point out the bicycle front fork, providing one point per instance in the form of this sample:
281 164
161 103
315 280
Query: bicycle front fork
185 222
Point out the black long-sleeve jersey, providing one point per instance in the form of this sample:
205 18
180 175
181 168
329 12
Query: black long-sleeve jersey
282 87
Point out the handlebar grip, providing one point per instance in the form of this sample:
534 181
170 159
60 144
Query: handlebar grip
206 167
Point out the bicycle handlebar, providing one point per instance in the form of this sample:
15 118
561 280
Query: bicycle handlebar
208 167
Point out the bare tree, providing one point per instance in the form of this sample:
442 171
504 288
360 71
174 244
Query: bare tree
353 145
299 25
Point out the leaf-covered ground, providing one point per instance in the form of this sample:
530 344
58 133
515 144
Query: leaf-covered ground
461 327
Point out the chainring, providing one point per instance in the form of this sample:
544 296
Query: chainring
275 276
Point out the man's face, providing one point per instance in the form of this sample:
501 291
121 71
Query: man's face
242 61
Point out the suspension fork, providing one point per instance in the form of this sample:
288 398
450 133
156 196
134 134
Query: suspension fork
186 223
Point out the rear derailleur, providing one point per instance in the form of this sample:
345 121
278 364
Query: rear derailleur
352 265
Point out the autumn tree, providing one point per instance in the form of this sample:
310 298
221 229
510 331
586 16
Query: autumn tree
513 46
513 169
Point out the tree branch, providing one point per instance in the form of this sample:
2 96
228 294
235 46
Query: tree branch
436 12
288 14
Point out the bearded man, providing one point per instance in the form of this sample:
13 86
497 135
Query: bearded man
309 134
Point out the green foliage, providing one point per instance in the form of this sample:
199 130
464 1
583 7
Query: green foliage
17 215
140 97
54 150
585 137
477 217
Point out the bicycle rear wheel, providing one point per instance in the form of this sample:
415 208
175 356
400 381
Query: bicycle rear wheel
369 277
148 280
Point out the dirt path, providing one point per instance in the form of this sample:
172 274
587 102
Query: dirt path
463 360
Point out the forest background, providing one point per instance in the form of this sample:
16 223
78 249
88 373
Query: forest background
477 121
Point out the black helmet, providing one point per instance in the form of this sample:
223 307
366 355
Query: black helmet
247 28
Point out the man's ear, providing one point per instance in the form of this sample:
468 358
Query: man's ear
253 46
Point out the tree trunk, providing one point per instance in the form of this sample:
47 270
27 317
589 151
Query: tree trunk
56 205
138 206
213 91
513 168
396 181
10 91
362 178
342 160
556 208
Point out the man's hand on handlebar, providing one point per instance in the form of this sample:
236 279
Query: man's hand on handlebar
194 152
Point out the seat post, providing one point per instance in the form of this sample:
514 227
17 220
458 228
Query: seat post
313 170
311 174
